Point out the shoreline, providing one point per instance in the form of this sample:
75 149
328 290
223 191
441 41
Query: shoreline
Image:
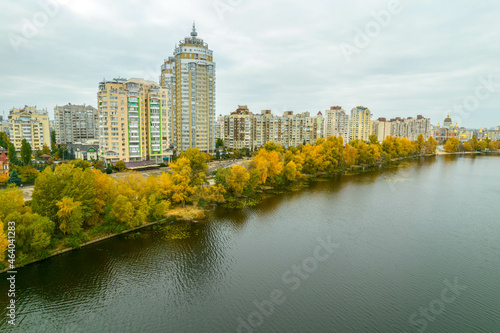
353 170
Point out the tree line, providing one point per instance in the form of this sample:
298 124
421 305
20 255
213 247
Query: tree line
453 145
72 203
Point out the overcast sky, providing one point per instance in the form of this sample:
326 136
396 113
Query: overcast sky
424 57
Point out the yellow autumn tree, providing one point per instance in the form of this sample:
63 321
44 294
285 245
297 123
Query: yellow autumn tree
181 179
350 155
4 243
70 216
237 179
165 185
290 171
4 179
451 145
104 186
122 209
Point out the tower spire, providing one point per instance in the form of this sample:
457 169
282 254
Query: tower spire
194 33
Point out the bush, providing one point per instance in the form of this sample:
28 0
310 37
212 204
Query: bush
120 165
109 170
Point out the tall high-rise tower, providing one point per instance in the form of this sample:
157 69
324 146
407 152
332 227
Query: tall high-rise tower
190 78
361 123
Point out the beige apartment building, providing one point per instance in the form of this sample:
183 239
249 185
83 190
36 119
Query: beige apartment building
242 129
361 124
411 128
381 128
190 78
336 123
30 124
133 121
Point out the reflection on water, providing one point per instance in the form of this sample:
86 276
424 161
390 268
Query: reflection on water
401 230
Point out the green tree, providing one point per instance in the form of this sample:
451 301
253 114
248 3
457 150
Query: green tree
13 155
45 150
33 232
99 165
373 139
28 173
219 143
14 178
120 165
221 176
64 181
26 152
4 140
53 146
79 163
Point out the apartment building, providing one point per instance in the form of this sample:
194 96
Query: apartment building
30 124
190 78
381 128
76 123
411 128
336 123
242 129
133 121
238 129
360 124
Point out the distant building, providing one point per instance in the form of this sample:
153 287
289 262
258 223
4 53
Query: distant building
336 123
76 123
30 124
360 124
446 131
4 162
238 129
5 127
381 128
133 121
219 127
242 129
410 128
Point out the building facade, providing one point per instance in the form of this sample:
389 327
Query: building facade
381 128
30 124
411 128
238 129
336 123
87 151
190 78
133 117
75 123
4 162
360 124
446 131
243 129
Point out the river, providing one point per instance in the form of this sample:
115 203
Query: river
412 247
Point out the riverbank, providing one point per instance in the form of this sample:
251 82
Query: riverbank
193 213
442 152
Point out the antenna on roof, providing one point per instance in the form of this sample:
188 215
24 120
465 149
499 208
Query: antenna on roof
194 33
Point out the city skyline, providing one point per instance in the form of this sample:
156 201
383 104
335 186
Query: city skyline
294 62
